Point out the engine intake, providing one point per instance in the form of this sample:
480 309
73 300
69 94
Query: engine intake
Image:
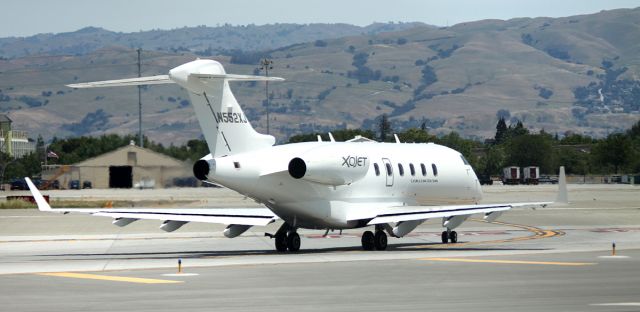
297 168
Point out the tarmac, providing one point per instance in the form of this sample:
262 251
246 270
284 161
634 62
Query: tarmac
558 259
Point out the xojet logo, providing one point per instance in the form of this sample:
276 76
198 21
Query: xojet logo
353 161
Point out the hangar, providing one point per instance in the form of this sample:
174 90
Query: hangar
126 167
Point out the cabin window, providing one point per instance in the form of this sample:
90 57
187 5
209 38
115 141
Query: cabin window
435 170
464 160
413 170
400 169
389 169
236 164
424 170
376 168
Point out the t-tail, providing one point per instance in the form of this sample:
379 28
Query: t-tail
224 125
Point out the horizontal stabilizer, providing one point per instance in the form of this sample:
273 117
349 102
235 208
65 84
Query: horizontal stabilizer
141 81
231 77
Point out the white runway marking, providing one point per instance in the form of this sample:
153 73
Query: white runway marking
181 274
619 304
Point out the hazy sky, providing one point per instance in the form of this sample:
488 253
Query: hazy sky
28 17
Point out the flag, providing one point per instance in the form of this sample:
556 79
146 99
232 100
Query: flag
51 154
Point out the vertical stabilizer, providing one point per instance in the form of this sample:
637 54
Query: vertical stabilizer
224 125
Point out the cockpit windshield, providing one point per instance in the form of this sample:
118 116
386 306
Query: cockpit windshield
464 160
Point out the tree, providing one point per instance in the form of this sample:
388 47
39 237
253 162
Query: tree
501 131
414 135
492 162
517 130
531 150
384 128
615 150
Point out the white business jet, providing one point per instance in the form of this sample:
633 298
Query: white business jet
393 187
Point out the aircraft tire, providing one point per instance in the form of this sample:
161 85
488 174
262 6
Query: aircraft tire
368 240
445 237
293 241
281 242
380 240
453 237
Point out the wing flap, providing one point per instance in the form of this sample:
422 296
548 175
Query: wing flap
410 213
242 216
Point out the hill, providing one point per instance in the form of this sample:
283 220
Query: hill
198 40
577 74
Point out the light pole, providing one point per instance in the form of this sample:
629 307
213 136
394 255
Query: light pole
139 102
266 64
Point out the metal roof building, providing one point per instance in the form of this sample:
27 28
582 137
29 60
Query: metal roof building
127 167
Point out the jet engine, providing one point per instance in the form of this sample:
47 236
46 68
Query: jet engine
203 167
330 170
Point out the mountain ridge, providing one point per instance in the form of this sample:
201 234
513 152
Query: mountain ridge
577 74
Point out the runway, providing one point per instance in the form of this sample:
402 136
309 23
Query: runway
557 259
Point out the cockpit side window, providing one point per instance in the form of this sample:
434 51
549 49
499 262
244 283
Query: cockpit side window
464 160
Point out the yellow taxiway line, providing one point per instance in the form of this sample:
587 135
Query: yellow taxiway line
111 278
508 261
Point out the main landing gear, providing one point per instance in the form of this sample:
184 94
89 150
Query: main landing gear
376 241
449 235
286 239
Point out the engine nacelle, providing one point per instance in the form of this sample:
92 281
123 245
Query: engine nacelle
329 169
203 167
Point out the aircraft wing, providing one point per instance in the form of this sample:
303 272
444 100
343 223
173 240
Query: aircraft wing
490 211
240 216
410 213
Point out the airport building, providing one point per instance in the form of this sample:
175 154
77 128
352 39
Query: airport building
15 143
127 167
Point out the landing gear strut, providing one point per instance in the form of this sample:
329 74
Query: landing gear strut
287 238
449 235
376 241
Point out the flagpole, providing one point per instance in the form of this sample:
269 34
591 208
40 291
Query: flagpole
45 156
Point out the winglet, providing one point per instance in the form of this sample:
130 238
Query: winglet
563 195
40 201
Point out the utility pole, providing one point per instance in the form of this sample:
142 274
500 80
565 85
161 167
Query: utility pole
139 102
266 64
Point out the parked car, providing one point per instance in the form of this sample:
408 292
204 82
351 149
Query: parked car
86 184
74 184
19 184
485 179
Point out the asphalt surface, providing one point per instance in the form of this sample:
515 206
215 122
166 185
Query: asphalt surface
556 259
